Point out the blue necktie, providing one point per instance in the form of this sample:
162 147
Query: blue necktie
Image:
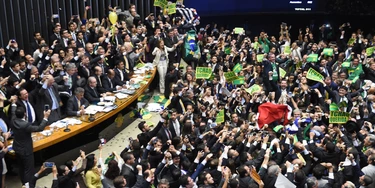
29 116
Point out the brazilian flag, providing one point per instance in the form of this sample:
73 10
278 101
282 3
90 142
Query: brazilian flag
191 47
354 72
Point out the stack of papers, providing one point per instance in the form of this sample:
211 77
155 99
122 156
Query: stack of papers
110 98
93 109
121 95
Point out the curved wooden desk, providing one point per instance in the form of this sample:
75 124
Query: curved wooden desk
60 135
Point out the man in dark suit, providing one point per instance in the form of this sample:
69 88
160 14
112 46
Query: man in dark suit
165 134
92 94
15 73
25 102
121 73
98 75
34 44
169 42
56 35
76 104
147 133
175 124
48 94
23 143
110 83
128 170
170 77
150 24
101 62
271 74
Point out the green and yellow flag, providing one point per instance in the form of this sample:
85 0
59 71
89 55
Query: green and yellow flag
328 51
282 72
338 117
238 30
333 107
227 50
172 8
230 76
354 72
312 58
237 68
260 58
239 81
220 117
254 88
370 51
314 75
203 72
287 50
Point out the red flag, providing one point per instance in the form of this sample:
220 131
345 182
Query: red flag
269 112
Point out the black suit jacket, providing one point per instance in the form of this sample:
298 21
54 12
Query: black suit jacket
162 135
92 96
23 143
171 127
145 137
83 73
129 175
107 84
99 85
118 76
72 105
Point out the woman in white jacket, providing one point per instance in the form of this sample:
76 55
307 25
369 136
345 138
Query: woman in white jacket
161 61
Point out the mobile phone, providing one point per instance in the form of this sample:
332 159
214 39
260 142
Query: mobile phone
103 141
49 164
13 41
55 16
46 107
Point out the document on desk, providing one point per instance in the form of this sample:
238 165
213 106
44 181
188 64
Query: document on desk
121 95
93 109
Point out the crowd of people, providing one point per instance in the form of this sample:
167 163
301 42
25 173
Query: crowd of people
277 134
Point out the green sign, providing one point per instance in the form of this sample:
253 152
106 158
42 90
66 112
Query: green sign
220 117
253 89
203 72
370 51
314 75
346 64
160 3
338 117
287 50
255 45
227 50
230 76
172 8
328 51
238 30
239 81
260 58
312 58
351 41
237 68
282 72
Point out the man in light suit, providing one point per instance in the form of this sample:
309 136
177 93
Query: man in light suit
76 104
23 143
